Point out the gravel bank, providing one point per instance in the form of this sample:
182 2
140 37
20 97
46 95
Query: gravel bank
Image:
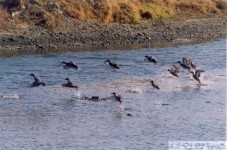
74 34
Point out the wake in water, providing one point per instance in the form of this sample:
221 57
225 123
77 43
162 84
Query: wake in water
10 97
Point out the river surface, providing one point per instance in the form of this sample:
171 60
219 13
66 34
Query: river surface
53 117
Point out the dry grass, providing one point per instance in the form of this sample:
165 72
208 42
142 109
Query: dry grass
108 11
4 19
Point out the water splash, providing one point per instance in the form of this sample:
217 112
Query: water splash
10 96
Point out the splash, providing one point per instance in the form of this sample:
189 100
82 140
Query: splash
135 90
10 97
77 95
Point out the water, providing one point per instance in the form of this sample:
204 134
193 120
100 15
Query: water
52 117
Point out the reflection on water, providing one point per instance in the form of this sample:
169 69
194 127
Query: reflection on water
53 117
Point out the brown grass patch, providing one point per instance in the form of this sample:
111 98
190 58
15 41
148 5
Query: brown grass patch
108 11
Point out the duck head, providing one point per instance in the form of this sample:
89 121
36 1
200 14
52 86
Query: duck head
32 74
67 79
107 60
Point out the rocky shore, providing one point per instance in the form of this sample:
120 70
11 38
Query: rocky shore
75 34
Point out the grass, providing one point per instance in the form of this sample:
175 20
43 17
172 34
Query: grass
109 11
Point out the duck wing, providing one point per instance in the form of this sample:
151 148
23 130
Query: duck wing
197 73
42 83
184 60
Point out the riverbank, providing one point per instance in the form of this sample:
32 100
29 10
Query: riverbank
80 34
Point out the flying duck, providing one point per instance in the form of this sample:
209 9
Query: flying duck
173 72
69 84
37 82
113 65
154 85
188 62
151 59
70 64
117 97
196 75
183 65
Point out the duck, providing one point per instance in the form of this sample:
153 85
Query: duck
189 62
70 64
151 59
196 75
185 66
113 65
37 82
69 84
154 85
173 72
117 97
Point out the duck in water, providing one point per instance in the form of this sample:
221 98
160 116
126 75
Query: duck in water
117 97
69 84
196 75
154 85
113 65
70 64
37 82
151 59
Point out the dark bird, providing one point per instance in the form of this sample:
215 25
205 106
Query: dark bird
196 75
154 85
37 82
69 84
117 97
113 65
70 64
188 62
173 72
151 59
183 65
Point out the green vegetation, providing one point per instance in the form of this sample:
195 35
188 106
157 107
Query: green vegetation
106 11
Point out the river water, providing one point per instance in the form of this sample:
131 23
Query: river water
53 117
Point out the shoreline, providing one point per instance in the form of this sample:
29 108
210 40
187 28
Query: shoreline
81 35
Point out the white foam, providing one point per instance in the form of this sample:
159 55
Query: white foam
135 90
77 95
10 96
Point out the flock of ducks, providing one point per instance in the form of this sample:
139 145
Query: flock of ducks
174 71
